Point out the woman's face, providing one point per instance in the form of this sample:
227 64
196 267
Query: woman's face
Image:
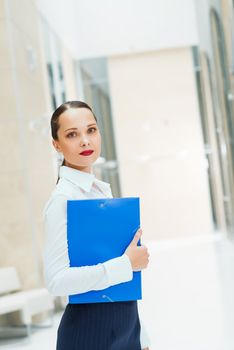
78 138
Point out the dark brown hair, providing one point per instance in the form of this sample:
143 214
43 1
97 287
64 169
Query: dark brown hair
54 122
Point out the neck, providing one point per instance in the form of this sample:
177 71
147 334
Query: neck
86 169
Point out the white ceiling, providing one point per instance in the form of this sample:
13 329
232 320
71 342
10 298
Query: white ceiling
92 28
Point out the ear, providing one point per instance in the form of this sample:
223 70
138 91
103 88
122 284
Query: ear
56 145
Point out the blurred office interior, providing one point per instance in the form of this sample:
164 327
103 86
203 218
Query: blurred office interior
160 78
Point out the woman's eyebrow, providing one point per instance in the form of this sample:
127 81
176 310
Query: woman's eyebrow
70 129
77 128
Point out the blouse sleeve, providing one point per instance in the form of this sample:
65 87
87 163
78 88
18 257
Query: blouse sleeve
60 278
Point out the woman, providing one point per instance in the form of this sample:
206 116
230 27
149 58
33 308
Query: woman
99 326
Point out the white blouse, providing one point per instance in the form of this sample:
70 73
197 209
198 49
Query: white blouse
60 278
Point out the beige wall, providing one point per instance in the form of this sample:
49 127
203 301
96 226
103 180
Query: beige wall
159 141
26 174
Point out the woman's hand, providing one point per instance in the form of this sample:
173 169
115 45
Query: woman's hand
146 349
138 255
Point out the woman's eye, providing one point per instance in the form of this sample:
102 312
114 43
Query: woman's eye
71 134
91 130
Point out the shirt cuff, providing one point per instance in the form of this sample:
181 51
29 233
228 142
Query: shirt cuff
118 270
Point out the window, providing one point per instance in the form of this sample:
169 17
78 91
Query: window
54 65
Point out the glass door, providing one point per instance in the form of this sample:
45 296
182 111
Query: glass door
217 117
224 116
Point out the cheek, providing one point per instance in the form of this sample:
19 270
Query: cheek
99 141
96 143
70 147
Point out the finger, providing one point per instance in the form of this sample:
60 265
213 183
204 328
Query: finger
136 237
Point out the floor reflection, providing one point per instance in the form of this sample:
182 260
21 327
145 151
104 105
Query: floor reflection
188 298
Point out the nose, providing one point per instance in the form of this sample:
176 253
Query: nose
84 141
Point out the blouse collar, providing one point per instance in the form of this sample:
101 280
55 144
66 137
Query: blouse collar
81 179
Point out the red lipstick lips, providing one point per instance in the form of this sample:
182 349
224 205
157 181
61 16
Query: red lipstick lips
86 153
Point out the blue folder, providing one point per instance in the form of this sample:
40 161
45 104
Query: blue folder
99 230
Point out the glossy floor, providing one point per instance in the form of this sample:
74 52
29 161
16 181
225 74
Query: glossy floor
188 298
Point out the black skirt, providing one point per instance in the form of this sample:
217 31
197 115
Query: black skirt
100 326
